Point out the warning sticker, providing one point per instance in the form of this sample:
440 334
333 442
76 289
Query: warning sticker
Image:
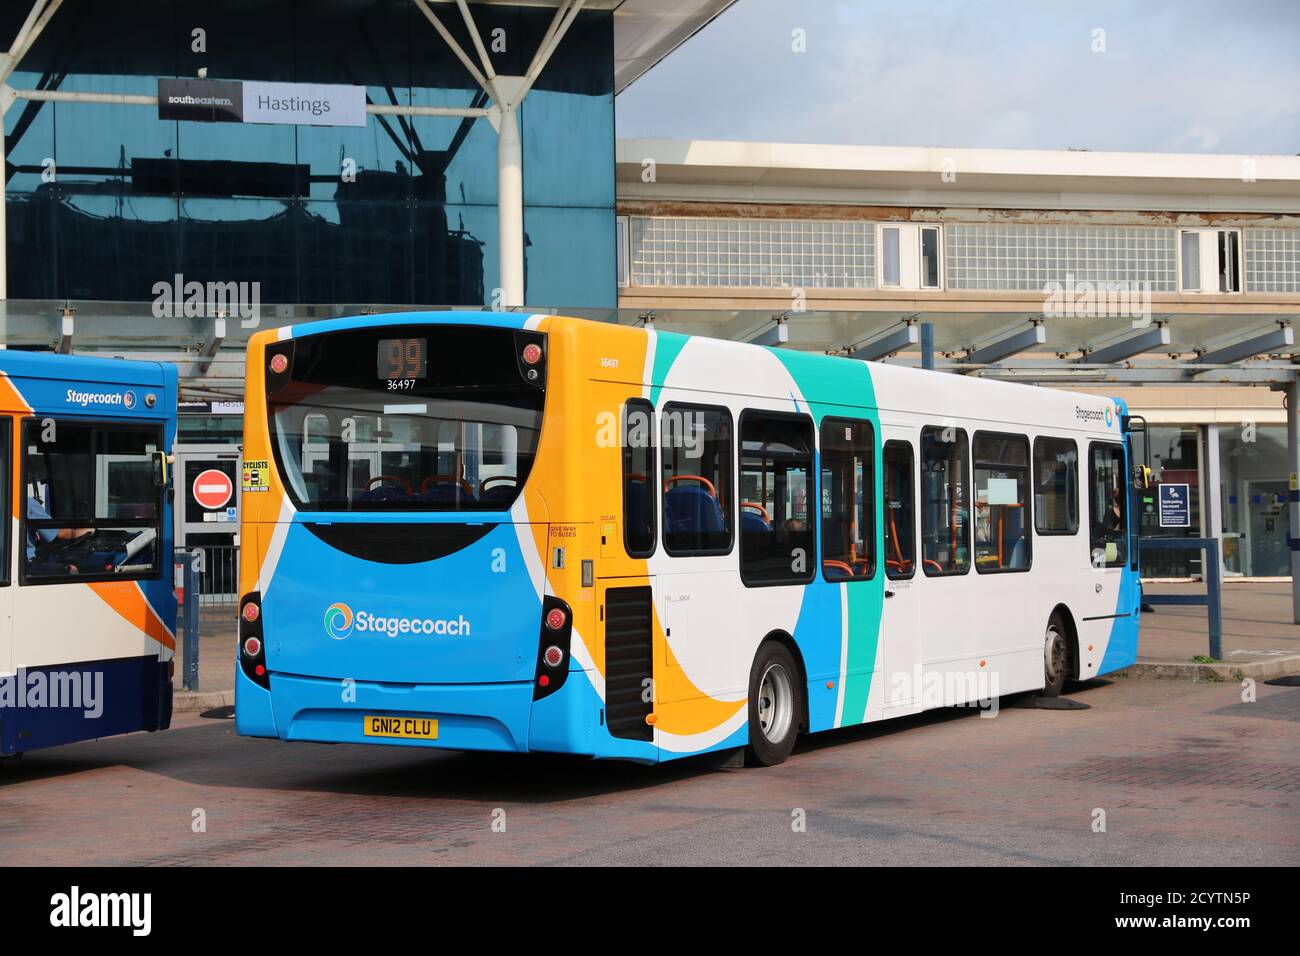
257 476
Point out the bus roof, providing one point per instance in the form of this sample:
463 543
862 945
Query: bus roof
48 382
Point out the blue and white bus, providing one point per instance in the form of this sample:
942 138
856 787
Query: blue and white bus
537 533
87 610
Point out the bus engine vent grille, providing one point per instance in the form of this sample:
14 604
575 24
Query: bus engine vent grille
628 661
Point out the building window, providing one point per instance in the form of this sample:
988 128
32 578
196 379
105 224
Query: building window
695 447
1211 260
1272 260
92 509
848 503
900 522
909 256
1002 541
1056 486
639 478
1028 258
1108 511
755 253
777 544
945 502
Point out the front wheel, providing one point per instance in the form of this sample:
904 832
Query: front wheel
775 705
1056 657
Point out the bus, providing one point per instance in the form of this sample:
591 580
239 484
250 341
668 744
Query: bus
488 531
87 610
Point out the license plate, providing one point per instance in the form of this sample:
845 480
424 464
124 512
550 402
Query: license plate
418 728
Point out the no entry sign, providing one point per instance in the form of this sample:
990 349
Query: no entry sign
213 488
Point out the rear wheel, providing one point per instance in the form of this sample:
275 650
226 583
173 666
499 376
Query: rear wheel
1056 657
775 705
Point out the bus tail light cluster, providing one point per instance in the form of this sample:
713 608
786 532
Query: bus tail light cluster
252 651
553 647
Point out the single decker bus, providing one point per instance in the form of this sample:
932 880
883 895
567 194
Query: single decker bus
488 531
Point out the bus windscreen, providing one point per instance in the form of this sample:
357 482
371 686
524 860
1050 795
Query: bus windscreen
423 418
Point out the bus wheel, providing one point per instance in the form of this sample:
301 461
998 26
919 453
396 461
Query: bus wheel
1056 657
774 705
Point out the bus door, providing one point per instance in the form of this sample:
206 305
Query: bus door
900 628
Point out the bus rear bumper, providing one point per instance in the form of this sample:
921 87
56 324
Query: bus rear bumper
469 716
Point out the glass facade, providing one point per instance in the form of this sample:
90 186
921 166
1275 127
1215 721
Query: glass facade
1255 477
1172 453
104 201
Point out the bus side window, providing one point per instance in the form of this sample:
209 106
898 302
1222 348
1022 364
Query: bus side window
1002 540
848 505
777 540
639 471
1056 483
1108 511
900 522
695 447
945 501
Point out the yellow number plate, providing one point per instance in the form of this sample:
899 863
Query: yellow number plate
419 728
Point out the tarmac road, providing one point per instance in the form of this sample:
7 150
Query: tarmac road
1184 774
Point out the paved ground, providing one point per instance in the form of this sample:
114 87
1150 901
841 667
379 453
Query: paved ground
1185 774
1256 624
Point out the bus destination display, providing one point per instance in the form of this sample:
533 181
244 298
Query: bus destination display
403 359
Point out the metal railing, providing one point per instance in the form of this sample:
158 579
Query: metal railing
1211 599
219 580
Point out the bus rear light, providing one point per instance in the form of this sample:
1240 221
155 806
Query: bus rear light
553 656
252 647
259 670
532 353
251 612
544 681
553 651
556 618
279 362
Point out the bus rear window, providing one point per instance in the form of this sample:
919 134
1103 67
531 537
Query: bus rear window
407 418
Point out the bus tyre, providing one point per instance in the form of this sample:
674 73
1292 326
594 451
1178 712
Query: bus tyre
775 706
1056 656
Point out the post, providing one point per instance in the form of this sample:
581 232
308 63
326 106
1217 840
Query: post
510 208
1211 499
1213 599
1293 497
190 672
927 345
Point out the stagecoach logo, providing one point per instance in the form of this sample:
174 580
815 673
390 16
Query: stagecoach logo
340 622
85 399
1095 415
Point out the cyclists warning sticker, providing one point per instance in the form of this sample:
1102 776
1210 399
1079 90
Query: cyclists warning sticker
256 476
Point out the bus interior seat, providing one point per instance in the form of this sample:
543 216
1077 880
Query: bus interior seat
636 498
497 494
692 510
751 521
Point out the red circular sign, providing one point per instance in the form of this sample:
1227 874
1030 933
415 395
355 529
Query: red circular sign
213 488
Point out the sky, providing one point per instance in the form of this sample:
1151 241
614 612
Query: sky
1188 76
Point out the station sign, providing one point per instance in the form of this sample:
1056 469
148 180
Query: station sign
1175 506
255 101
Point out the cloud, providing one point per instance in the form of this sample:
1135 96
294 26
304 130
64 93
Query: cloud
1188 76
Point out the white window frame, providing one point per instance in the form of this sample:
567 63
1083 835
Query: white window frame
910 278
1210 267
622 247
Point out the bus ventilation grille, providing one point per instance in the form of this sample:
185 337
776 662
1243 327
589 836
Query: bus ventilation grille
628 660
